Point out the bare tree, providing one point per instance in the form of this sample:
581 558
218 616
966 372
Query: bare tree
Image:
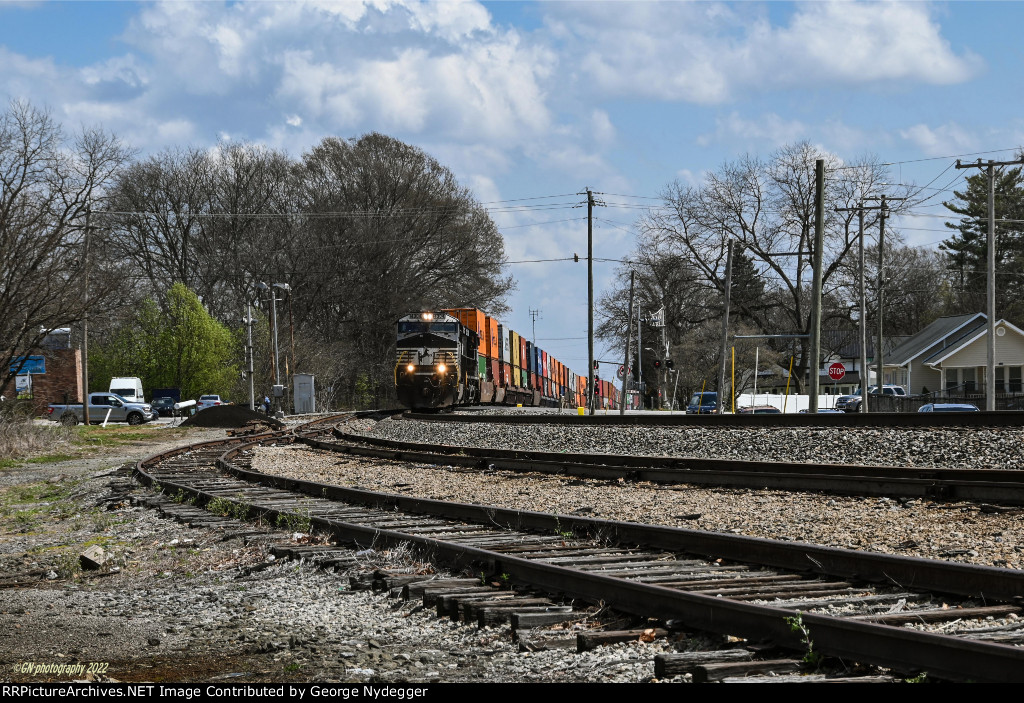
768 208
47 185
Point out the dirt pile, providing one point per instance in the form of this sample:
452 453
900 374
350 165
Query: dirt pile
230 416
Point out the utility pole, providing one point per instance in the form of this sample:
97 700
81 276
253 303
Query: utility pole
879 352
85 320
640 356
725 327
534 316
591 202
590 301
629 339
883 210
816 257
249 353
863 311
990 308
859 209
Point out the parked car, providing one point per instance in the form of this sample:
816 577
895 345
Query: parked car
851 403
208 401
829 411
948 408
703 403
129 388
759 410
103 406
164 406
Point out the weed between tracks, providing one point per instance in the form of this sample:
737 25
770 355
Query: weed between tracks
796 624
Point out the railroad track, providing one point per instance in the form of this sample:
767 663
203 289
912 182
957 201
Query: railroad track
992 486
761 590
470 415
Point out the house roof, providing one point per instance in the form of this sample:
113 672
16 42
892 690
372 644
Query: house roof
944 331
966 339
845 344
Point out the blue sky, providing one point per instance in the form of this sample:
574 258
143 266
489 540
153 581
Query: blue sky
530 100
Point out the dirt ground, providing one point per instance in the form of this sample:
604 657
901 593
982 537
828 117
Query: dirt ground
58 617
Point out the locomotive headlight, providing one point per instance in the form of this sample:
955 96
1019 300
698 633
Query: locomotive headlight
410 368
428 316
441 368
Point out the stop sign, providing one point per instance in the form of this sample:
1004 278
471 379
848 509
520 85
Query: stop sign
836 371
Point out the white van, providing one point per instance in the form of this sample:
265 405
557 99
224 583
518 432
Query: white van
128 388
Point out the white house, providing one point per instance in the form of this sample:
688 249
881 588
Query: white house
951 355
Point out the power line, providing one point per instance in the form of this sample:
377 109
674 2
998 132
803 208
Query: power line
932 158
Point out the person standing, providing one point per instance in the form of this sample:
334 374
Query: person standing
266 405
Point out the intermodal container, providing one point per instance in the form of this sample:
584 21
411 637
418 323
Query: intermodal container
475 320
493 348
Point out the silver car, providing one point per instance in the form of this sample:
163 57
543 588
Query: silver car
208 401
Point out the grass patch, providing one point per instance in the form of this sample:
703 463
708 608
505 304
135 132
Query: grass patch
119 435
28 505
25 442
21 439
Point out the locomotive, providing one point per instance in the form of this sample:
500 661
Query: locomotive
463 356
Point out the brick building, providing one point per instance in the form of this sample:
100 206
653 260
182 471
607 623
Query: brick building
56 372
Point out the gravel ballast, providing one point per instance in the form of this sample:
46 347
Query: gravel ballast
180 604
925 528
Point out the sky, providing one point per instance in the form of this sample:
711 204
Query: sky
530 104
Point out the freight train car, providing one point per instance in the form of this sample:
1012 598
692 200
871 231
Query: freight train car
463 356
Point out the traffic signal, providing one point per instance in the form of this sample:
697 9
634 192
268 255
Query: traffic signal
657 363
669 363
636 367
596 364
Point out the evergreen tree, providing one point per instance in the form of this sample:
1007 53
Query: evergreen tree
968 248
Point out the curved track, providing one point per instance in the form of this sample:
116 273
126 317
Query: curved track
740 586
980 485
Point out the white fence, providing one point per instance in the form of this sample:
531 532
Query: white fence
785 403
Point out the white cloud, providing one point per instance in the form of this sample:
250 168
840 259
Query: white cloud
943 140
602 127
769 127
711 53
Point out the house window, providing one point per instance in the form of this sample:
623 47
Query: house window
951 379
1014 385
970 377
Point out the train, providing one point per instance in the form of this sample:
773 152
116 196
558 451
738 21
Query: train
462 356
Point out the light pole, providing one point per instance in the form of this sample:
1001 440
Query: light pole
273 323
290 366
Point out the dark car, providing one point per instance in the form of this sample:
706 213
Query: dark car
703 403
948 408
760 410
163 406
851 403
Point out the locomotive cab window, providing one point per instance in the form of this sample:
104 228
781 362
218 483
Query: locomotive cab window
425 327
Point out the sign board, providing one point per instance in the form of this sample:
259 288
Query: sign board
836 371
33 364
622 372
23 384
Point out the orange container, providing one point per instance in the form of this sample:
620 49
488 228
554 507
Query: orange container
475 320
492 345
